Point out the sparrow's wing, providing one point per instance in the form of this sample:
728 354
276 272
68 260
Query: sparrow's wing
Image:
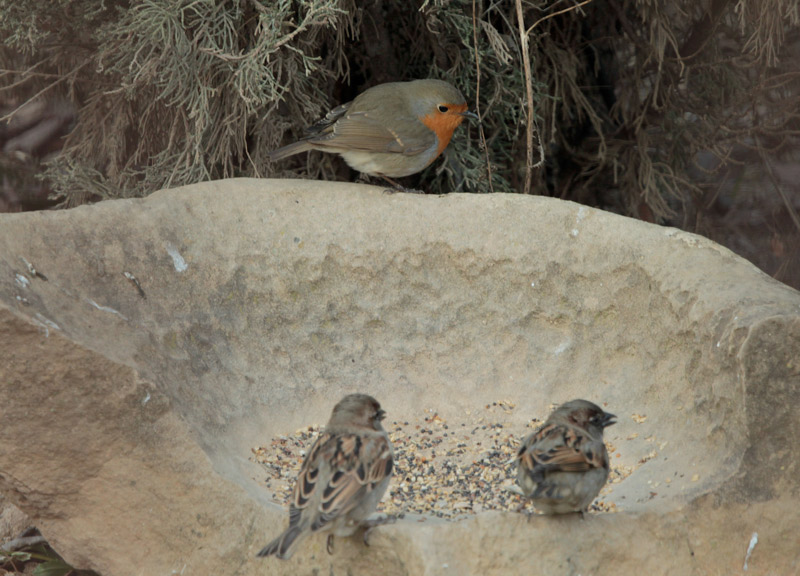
363 131
563 448
306 485
338 473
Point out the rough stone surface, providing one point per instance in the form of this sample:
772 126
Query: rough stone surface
13 521
128 418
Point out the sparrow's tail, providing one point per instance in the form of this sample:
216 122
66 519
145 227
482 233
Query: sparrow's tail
283 545
290 150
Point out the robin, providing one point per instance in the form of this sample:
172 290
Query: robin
390 130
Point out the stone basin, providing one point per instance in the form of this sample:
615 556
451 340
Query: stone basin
149 345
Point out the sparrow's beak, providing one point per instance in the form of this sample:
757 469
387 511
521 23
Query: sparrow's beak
470 115
380 414
608 419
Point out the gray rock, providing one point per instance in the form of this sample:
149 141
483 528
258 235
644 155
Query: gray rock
13 521
129 409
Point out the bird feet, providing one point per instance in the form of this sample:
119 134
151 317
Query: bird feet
397 187
329 544
402 189
370 525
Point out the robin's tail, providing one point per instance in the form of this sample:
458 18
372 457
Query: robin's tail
283 545
289 150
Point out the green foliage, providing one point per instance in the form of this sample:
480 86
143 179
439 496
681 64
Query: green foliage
55 567
48 563
625 94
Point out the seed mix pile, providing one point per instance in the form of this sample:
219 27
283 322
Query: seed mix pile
441 469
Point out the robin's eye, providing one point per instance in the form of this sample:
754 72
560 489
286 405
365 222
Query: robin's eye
442 109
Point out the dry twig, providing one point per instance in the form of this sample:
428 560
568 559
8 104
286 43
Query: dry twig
526 64
478 95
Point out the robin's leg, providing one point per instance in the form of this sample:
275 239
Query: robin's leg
397 187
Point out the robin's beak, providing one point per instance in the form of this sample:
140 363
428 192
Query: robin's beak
470 115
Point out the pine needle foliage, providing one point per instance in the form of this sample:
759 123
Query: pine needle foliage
629 99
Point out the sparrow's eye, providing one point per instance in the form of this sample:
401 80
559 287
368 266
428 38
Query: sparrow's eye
442 108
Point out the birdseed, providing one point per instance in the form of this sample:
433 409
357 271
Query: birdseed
441 469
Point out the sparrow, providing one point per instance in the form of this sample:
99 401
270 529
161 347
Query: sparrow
342 479
563 464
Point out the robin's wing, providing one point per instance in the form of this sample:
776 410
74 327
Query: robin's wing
363 131
323 125
339 471
562 448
